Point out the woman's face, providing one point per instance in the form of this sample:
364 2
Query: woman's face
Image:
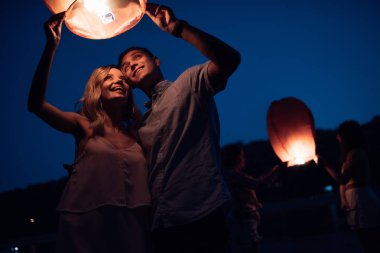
114 86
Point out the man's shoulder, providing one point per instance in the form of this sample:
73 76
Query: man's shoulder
193 71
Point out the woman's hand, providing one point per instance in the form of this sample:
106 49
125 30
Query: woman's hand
53 28
321 161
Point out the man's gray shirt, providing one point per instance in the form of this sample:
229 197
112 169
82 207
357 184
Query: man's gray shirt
180 138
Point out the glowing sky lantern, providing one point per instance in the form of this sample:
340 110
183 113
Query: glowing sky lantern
290 126
99 19
57 6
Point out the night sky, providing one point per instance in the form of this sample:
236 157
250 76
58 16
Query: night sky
326 53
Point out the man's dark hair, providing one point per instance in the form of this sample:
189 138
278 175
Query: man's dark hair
143 49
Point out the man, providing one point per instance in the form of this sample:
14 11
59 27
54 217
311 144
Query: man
180 137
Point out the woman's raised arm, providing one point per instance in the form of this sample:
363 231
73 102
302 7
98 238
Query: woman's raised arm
62 121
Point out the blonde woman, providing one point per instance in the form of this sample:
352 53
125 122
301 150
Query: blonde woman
104 207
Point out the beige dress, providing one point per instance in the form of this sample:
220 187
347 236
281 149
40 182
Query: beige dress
105 205
363 205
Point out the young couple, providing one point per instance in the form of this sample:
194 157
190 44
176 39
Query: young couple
138 182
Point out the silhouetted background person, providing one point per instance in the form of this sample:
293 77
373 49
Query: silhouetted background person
243 212
180 137
104 207
358 199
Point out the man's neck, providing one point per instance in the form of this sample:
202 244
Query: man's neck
150 90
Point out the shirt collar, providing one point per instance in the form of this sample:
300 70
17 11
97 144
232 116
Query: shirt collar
157 91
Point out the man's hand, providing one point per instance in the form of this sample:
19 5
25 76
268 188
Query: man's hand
162 16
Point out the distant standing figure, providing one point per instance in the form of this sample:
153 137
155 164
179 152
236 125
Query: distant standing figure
243 216
180 137
358 199
105 205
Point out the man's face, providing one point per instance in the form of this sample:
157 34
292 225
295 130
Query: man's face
139 68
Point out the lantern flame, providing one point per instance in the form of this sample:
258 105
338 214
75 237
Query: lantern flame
101 8
299 160
301 153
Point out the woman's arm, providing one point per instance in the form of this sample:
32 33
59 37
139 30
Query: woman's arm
273 174
63 121
342 193
337 176
254 183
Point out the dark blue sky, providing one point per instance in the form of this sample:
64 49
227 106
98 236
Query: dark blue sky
324 52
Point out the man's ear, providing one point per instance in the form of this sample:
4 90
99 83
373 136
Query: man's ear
157 61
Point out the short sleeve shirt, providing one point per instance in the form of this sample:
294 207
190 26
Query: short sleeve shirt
180 138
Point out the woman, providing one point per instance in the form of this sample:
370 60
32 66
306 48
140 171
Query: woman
104 207
357 197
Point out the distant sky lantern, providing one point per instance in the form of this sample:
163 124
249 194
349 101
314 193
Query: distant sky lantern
290 126
99 19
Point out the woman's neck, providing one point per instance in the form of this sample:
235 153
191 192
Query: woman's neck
114 119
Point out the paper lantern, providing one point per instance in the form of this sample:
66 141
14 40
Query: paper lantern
290 126
57 6
99 19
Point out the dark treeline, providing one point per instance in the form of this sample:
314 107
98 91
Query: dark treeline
31 211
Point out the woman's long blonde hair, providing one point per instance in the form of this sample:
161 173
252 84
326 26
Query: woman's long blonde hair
92 105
